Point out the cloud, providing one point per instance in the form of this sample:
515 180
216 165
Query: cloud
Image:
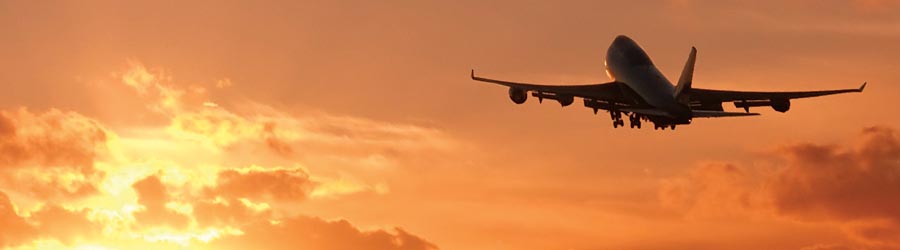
15 229
710 189
858 185
228 212
827 247
64 225
50 139
281 184
152 194
230 204
303 232
49 222
50 154
83 185
855 186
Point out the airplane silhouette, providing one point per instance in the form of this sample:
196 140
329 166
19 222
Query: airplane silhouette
641 92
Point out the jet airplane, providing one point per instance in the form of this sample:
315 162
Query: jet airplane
642 93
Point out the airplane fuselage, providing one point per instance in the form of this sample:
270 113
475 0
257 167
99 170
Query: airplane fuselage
626 62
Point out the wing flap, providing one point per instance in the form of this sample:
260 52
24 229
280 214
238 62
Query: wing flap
714 113
648 112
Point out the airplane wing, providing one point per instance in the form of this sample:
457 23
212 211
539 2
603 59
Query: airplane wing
729 96
610 91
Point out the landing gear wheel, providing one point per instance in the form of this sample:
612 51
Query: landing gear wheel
673 127
635 121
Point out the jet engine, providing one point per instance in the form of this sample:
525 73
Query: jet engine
781 105
517 95
564 100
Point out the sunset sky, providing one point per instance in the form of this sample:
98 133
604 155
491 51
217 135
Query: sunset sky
354 125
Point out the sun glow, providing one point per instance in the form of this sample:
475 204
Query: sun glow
175 185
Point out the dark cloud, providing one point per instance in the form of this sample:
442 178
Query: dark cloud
277 184
303 232
858 184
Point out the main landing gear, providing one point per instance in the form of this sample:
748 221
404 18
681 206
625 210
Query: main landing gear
616 117
635 121
663 126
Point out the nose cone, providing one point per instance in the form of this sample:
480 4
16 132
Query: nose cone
626 51
622 38
624 41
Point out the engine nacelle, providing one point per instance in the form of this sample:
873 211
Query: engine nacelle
518 96
565 100
782 105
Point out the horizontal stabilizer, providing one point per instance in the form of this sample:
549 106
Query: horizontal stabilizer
714 113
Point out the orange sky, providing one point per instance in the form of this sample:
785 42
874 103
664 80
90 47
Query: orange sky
353 125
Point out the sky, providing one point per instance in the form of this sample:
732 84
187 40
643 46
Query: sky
354 125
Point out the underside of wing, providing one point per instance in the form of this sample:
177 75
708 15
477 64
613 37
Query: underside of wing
611 91
648 112
730 95
713 114
695 113
710 99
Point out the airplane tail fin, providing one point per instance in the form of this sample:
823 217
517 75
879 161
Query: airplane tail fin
683 89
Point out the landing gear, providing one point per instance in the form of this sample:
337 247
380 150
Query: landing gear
635 121
616 116
663 126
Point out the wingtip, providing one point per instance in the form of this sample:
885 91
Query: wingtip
863 86
472 74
